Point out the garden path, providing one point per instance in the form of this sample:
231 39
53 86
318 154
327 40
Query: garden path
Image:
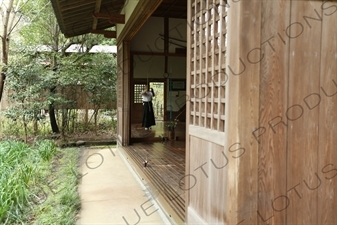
111 193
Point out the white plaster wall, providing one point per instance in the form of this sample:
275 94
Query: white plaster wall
177 31
148 66
127 10
148 38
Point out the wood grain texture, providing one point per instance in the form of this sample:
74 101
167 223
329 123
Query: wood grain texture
141 13
327 154
304 79
244 29
205 132
123 93
164 173
207 196
188 105
272 133
120 76
126 93
281 108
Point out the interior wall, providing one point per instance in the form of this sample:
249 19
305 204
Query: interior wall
148 66
147 38
148 49
150 37
150 61
153 66
177 31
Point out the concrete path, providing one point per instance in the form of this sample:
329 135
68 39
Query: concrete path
111 193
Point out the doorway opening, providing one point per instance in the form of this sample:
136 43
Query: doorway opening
158 101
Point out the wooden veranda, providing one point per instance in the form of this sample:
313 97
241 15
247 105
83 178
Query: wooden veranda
164 172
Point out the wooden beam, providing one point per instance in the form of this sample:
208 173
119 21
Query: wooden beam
111 34
106 33
141 13
113 18
97 9
159 54
76 5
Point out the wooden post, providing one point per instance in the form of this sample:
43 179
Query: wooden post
273 103
242 111
327 153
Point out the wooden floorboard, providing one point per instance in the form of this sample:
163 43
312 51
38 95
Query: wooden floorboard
139 134
165 169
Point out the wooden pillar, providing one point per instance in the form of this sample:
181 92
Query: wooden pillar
123 93
327 154
242 111
272 139
188 106
302 123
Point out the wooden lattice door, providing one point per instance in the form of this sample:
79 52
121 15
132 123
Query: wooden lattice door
206 106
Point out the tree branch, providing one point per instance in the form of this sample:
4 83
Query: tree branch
10 32
66 46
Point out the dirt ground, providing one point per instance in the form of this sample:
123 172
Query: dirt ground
91 136
70 139
88 137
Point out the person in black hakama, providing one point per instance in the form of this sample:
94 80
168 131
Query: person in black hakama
148 114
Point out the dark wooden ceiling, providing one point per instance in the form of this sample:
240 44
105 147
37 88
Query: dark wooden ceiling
77 17
172 9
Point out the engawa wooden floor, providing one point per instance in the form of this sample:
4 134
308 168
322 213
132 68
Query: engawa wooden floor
138 133
165 169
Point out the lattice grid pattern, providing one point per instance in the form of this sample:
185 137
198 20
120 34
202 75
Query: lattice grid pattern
208 51
138 89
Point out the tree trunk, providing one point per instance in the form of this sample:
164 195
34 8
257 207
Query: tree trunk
25 128
5 46
64 122
7 27
86 117
2 83
35 126
53 122
95 119
73 119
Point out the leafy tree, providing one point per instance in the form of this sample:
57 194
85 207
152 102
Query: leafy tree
25 90
10 17
41 53
66 71
100 81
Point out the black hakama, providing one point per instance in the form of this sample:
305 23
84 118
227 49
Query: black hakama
148 115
